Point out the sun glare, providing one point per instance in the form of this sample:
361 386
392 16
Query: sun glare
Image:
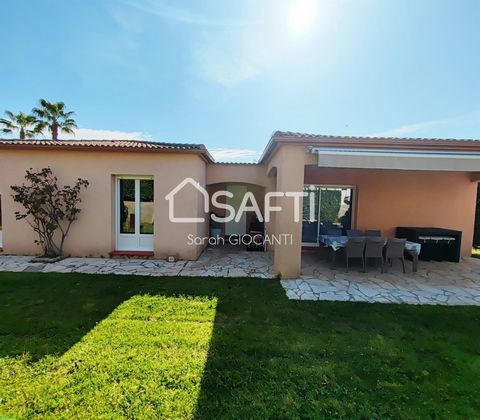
302 14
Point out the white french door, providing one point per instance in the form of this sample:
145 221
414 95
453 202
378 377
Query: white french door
134 210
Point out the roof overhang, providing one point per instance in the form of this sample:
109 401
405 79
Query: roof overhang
466 146
131 146
420 160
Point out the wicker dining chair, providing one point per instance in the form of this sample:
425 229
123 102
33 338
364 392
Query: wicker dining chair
374 249
355 248
395 249
373 233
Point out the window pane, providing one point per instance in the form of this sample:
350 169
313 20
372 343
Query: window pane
345 214
310 214
310 203
335 208
146 206
127 206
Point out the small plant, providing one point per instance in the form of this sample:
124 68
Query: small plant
49 210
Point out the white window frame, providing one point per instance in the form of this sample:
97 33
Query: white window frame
137 236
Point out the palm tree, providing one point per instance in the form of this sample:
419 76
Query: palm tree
23 123
53 117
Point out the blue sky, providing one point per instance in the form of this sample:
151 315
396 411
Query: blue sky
228 73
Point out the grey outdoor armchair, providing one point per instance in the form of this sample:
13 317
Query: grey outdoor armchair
374 249
395 249
355 248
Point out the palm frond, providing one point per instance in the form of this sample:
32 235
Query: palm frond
30 134
10 115
31 119
53 113
40 126
44 103
66 130
7 123
39 112
69 123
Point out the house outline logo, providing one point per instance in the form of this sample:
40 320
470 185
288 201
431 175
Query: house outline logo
170 197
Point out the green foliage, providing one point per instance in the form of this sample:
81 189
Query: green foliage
93 346
146 190
49 210
306 203
53 117
330 205
22 123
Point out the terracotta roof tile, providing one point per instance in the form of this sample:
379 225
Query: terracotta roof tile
138 145
131 144
367 142
295 134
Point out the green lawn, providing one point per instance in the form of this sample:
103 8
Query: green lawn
85 346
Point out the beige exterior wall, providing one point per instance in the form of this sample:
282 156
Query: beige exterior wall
236 173
94 233
288 163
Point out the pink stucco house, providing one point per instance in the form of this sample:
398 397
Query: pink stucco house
380 183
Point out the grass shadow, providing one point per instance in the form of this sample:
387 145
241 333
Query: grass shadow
46 314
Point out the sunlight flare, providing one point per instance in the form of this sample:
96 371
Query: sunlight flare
302 14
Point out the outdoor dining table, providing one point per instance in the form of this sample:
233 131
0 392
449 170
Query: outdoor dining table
338 242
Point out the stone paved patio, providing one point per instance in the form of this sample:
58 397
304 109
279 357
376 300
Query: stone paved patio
435 283
221 262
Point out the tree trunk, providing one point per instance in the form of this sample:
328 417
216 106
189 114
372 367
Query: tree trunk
54 131
22 133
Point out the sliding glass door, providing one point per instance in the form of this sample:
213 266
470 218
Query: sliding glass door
135 209
326 209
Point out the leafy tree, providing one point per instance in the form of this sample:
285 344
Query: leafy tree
22 123
49 210
54 118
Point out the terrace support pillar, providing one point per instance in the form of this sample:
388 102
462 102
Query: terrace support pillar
290 166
